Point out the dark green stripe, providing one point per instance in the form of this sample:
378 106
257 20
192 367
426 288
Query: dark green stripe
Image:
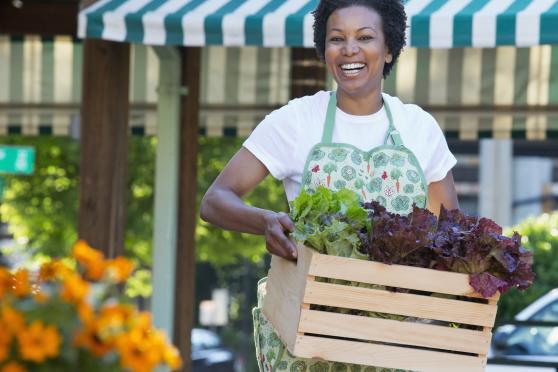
204 90
549 28
390 83
463 23
95 24
422 81
487 76
263 75
521 76
173 23
420 24
139 93
134 21
553 83
253 26
16 71
505 22
294 27
213 23
47 71
519 127
232 73
455 76
77 65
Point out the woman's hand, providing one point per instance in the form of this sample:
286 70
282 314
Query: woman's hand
277 226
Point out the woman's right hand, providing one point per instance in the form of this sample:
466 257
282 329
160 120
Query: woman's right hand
277 228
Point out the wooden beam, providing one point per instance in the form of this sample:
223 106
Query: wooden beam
104 145
46 18
308 73
187 214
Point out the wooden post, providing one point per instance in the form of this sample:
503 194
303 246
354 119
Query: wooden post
187 214
308 73
104 145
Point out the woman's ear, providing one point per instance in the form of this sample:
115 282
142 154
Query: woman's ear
389 57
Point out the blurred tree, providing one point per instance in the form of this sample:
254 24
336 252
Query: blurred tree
540 235
41 209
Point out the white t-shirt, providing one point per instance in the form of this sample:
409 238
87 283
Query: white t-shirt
283 140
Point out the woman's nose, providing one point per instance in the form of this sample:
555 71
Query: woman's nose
351 48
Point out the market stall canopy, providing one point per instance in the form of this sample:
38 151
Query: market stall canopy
280 23
503 92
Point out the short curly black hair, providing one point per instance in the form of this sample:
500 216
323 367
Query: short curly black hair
394 21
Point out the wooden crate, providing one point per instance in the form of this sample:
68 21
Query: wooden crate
292 288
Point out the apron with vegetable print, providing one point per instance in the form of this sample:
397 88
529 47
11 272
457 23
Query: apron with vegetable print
389 174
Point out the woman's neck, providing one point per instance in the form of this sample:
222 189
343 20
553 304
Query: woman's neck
360 105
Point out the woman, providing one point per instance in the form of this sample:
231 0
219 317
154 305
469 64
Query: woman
356 138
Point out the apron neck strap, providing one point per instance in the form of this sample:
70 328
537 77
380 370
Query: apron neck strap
330 119
392 133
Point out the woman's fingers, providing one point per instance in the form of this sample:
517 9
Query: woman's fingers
277 240
287 226
274 246
285 221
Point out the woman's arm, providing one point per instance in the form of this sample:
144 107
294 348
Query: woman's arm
222 205
442 193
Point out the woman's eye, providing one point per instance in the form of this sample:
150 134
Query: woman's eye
365 38
336 39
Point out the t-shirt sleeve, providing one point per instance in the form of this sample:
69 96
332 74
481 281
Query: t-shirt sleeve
438 158
274 141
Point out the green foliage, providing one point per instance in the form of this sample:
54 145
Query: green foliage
214 244
41 209
329 221
540 235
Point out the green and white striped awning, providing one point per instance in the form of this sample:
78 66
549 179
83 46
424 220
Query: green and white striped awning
504 92
281 23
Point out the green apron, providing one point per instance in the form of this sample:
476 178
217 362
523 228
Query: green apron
389 174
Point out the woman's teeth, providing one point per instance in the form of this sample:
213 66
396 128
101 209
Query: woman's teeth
352 69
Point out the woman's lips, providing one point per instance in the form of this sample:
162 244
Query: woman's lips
351 69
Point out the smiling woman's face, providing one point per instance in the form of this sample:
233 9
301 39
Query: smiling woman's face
355 50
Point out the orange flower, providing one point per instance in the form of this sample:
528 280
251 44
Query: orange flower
38 342
20 283
12 319
91 259
113 320
5 281
85 312
13 367
172 358
74 289
119 269
139 350
89 339
52 270
5 340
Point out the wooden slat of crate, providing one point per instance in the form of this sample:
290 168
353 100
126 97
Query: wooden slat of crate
399 303
284 292
391 275
393 331
386 355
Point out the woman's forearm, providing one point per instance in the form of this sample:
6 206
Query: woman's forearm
225 209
